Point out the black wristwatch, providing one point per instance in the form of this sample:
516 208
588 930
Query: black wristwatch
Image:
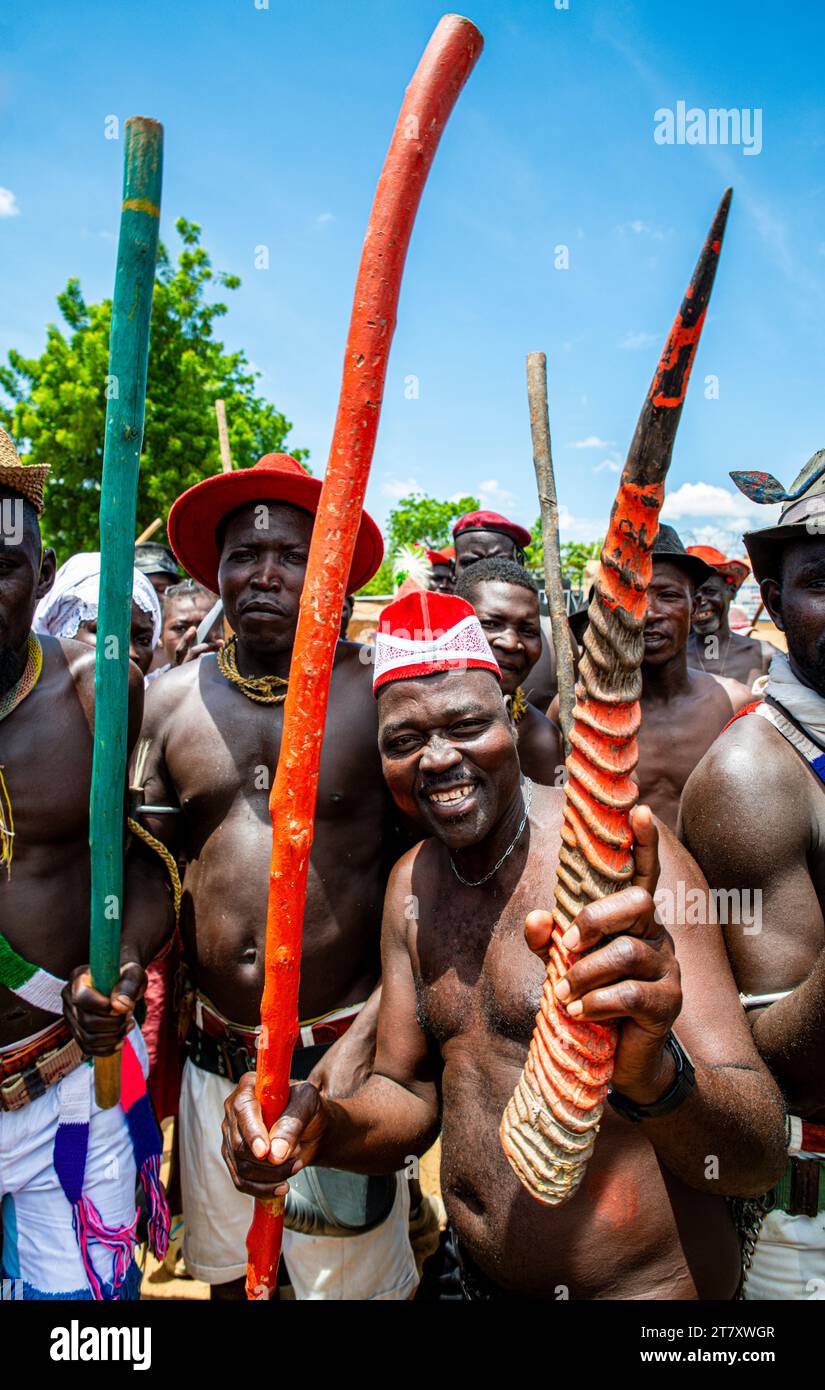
683 1083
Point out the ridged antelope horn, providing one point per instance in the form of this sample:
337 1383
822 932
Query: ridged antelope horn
550 1124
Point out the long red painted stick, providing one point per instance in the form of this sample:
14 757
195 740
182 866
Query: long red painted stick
446 64
550 1124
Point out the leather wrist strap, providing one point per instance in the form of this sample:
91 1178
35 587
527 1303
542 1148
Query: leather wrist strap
680 1088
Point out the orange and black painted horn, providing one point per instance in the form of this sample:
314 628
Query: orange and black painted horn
447 62
549 1127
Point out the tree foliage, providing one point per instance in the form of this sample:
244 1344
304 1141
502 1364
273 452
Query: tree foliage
421 518
417 518
58 400
575 555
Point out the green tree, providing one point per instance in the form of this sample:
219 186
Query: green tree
58 400
575 555
422 518
417 518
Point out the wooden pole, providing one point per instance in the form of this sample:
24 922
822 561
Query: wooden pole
150 530
128 359
223 437
549 507
444 68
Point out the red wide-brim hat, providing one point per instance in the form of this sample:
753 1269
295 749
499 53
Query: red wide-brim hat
734 571
196 515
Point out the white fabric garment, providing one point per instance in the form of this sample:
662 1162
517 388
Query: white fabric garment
73 598
789 1262
39 1245
806 706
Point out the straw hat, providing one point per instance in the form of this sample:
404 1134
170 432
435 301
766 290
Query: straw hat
25 478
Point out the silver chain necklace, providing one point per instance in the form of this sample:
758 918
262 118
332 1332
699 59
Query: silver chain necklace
477 882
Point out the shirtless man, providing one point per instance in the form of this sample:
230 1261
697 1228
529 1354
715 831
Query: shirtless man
712 646
753 813
485 536
460 992
683 710
214 727
506 600
46 731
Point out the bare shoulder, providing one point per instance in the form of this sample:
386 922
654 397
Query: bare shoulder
78 657
737 693
723 817
353 662
167 692
78 660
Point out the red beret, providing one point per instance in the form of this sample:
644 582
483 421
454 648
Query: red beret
492 521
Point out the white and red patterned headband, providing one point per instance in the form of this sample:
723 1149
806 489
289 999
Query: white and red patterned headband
427 632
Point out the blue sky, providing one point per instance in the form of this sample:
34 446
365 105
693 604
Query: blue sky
277 121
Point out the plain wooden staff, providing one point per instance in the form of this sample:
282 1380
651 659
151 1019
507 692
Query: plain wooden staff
549 506
223 437
150 530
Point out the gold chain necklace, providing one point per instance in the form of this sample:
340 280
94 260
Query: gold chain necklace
518 708
265 690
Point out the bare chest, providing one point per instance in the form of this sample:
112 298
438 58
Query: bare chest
475 975
222 754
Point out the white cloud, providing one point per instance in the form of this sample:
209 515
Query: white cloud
580 528
710 500
632 341
641 229
324 217
396 488
591 442
494 496
612 465
8 203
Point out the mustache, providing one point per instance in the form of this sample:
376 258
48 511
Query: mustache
447 781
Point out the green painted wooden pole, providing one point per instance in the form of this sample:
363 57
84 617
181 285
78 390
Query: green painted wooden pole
126 392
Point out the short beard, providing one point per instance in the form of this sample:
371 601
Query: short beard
813 670
10 670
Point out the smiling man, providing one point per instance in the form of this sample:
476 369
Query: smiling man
214 728
712 646
461 988
506 601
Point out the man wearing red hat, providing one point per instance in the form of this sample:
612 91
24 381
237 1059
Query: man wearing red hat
460 995
481 535
487 535
712 646
442 570
214 729
506 602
